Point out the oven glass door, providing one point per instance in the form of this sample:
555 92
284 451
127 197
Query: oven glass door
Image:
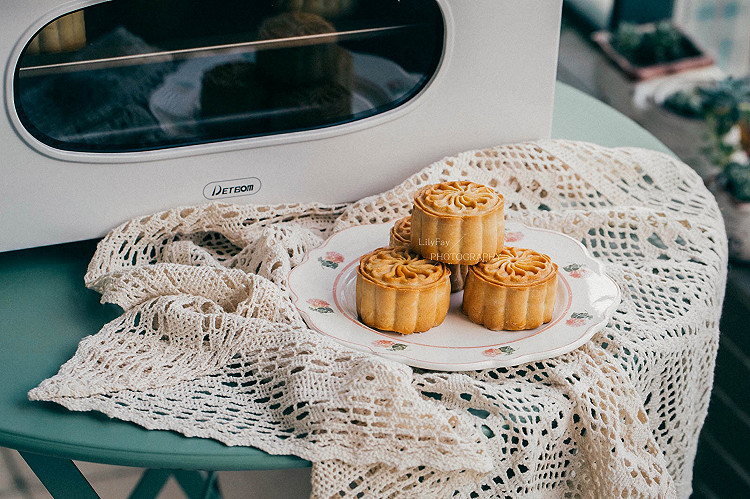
137 75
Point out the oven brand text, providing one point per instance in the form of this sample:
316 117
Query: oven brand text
231 188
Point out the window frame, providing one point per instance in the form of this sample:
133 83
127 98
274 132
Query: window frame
179 151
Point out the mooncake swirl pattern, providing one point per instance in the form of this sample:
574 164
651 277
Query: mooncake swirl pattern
517 267
401 233
458 198
398 290
515 290
399 267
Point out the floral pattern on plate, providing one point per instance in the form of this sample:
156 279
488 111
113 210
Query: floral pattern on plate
513 237
331 259
503 350
320 306
389 345
575 270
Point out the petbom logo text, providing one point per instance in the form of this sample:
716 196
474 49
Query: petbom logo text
231 188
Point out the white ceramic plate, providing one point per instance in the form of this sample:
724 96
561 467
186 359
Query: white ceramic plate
324 287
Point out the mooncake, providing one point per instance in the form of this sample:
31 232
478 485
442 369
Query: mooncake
515 290
401 238
398 290
293 66
310 106
458 222
233 99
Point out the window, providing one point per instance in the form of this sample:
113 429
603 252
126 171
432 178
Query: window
135 75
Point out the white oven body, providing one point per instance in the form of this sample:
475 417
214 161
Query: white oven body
494 85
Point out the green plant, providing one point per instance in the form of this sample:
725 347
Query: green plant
737 173
688 103
722 104
720 101
737 180
725 107
645 47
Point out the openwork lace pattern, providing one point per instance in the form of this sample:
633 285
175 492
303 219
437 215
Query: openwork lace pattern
210 345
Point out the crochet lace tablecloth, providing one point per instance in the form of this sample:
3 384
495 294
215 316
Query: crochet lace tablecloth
210 345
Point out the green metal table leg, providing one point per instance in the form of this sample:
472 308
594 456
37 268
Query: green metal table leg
61 477
198 484
150 484
64 480
211 487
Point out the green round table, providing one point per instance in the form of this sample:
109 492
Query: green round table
46 310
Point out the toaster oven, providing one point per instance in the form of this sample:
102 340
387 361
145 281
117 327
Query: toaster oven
124 107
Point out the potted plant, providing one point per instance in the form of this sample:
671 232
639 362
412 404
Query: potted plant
725 107
649 50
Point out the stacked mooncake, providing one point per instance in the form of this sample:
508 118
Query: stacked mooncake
453 241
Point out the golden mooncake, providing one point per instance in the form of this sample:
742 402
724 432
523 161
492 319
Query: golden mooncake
398 290
401 238
297 65
458 222
401 233
515 290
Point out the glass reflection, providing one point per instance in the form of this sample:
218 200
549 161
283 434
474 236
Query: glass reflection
132 75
